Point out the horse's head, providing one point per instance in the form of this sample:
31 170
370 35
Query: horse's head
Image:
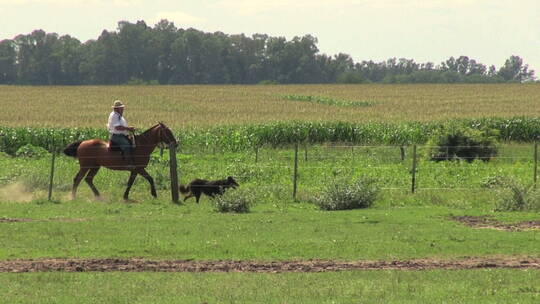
164 134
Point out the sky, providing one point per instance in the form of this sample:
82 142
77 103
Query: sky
489 31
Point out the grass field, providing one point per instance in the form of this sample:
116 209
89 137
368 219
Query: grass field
203 106
399 226
464 286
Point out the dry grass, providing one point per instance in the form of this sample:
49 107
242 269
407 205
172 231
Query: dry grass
181 106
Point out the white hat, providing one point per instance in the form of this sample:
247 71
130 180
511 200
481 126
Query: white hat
118 104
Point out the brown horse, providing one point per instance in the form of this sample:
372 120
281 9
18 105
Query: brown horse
95 153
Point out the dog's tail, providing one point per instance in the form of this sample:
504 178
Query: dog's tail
184 190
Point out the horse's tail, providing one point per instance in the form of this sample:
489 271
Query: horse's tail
71 149
184 190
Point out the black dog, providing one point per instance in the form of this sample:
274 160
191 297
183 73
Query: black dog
210 188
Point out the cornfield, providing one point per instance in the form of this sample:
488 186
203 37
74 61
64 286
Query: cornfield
244 137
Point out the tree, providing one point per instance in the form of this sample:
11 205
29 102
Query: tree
135 52
515 70
67 53
35 65
163 36
8 57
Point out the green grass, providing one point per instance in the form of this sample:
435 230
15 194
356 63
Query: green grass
464 286
270 177
161 230
399 226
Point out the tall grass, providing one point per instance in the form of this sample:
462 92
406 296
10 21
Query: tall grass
244 137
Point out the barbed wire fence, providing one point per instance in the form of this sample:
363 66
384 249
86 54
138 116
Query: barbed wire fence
303 158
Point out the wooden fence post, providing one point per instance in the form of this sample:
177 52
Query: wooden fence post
305 153
51 177
413 186
295 176
174 173
402 152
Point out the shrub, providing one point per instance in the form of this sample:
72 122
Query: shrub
463 143
31 151
234 200
345 195
494 181
514 196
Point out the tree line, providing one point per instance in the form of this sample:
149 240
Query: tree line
139 54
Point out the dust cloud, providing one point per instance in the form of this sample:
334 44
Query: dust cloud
15 192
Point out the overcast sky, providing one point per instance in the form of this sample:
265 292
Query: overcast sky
489 31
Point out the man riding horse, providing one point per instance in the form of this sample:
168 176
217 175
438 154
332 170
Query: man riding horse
95 153
119 131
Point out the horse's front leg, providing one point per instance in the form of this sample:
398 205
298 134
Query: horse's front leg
150 180
130 183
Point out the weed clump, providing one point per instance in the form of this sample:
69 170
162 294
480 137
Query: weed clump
346 195
234 200
31 151
515 196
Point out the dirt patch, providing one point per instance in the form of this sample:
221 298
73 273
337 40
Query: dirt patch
486 222
137 265
26 220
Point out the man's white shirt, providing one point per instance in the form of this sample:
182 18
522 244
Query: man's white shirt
116 120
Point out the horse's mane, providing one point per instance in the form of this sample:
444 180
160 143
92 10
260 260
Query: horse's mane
144 135
151 128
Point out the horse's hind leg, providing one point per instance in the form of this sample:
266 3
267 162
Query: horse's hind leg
90 180
150 180
77 180
130 183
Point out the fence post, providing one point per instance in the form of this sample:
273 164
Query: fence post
305 153
51 176
413 186
402 152
174 173
535 163
295 176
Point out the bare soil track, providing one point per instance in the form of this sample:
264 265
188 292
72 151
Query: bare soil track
487 222
137 265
